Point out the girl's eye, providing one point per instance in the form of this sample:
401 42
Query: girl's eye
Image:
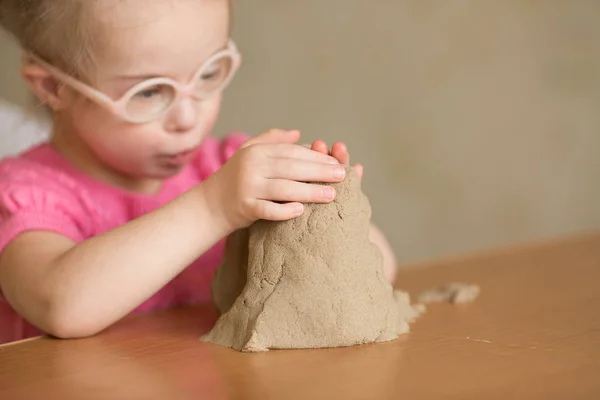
210 75
148 93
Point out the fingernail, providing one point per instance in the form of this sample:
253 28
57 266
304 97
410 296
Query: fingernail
298 209
332 160
328 192
339 172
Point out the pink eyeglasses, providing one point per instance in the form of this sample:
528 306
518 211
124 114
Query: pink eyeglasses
152 98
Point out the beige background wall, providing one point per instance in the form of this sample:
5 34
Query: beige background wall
478 121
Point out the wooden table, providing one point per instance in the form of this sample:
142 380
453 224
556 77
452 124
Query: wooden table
534 333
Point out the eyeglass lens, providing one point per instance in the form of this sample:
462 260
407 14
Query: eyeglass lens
213 75
151 101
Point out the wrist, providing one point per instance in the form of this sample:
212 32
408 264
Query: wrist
209 196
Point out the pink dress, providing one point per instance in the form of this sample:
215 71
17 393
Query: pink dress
40 190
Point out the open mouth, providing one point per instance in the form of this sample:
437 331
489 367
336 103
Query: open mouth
181 158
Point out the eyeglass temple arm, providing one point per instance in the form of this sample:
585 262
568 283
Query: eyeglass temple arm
90 93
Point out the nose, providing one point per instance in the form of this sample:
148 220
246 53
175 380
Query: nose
182 117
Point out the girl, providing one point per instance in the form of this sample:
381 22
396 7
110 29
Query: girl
125 207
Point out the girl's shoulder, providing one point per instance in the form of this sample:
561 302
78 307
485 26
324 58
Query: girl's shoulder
37 195
35 167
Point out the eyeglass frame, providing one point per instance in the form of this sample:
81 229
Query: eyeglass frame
118 106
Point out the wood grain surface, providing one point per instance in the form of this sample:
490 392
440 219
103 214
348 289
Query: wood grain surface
534 333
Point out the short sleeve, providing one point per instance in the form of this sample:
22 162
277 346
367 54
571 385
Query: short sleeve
32 204
216 152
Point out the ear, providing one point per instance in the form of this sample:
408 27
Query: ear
43 84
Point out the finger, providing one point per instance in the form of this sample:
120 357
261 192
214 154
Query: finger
274 136
320 146
291 191
284 150
304 171
277 212
359 171
340 152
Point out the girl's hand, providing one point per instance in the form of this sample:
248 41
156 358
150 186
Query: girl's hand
268 178
340 152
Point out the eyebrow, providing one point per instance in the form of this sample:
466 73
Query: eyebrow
142 77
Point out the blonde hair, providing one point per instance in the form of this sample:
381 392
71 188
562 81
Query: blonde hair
60 31
63 32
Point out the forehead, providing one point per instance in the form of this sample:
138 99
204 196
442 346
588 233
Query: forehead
162 37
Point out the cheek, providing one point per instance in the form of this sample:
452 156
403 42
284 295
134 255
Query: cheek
110 138
209 113
89 119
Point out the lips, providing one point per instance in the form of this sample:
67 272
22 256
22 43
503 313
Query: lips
181 158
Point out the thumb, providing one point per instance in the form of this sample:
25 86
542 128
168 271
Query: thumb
275 136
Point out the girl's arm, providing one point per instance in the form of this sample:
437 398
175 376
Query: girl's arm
74 290
71 290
